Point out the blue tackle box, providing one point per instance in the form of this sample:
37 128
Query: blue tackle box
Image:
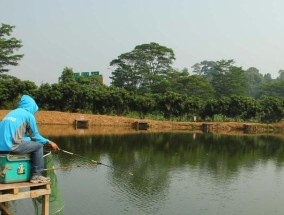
15 168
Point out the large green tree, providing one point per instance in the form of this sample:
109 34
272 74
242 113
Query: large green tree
172 104
274 88
226 78
255 80
8 46
272 109
143 68
230 83
197 86
191 85
67 76
144 104
281 75
11 88
204 68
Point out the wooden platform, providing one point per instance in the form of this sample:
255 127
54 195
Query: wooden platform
139 125
24 190
250 129
209 127
82 123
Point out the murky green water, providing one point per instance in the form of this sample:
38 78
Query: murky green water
169 173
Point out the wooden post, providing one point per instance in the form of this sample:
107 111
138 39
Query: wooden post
45 205
4 208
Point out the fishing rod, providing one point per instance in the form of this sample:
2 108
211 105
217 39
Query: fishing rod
93 161
71 153
68 167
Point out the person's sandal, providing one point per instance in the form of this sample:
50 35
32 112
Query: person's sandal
39 179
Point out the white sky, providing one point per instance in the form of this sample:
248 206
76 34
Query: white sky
87 35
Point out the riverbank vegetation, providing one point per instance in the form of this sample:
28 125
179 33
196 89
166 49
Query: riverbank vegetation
89 96
145 85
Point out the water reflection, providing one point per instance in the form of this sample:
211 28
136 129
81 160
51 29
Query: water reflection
159 161
169 150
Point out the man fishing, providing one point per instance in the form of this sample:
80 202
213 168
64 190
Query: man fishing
19 135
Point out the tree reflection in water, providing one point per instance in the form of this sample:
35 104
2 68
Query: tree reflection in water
153 157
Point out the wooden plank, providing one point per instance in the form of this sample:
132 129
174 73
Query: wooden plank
42 186
22 195
5 209
20 185
14 191
34 194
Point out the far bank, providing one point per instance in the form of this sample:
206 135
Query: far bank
64 118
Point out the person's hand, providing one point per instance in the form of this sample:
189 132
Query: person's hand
54 146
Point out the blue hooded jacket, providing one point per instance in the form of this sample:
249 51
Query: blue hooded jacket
19 125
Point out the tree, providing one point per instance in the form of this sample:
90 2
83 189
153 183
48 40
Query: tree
254 80
67 76
211 107
228 79
281 75
191 85
225 78
142 68
9 91
84 101
102 101
198 86
272 109
28 87
91 81
144 104
209 68
8 45
11 88
172 104
205 68
44 96
273 88
244 107
55 97
119 101
193 106
267 77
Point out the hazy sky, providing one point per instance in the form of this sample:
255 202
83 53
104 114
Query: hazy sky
87 35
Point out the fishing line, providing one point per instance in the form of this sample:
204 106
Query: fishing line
93 161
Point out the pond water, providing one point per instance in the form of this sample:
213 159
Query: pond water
167 173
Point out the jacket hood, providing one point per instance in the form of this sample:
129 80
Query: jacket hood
28 103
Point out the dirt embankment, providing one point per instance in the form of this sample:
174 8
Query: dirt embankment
64 118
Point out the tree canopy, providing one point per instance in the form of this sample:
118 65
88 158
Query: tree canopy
8 46
143 68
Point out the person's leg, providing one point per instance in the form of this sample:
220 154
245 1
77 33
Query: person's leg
36 151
